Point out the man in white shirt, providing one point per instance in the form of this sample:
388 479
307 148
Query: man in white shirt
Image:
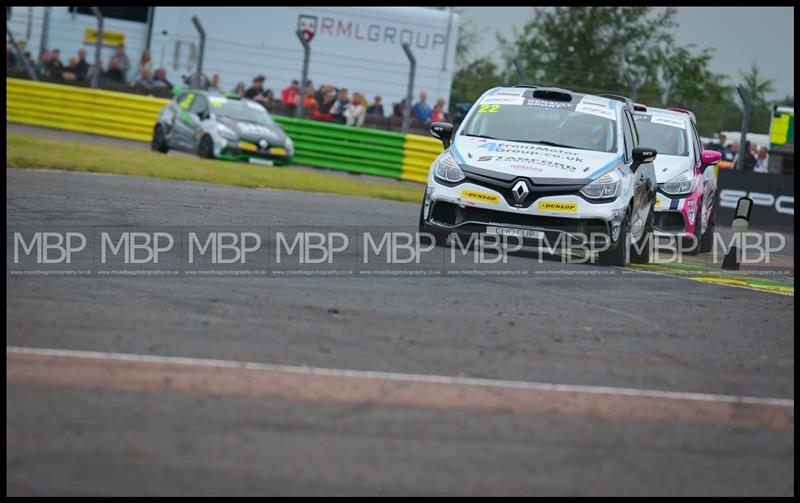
762 161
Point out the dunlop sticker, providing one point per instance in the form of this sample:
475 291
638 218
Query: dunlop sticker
479 196
557 206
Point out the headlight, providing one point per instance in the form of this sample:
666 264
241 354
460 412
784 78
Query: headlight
681 184
226 132
602 188
446 169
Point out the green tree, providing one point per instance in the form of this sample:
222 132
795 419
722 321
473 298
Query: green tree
473 75
758 88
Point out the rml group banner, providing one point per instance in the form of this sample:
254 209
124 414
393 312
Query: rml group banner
772 195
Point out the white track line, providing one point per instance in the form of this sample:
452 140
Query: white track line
203 362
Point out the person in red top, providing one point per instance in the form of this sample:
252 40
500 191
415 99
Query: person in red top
438 113
291 93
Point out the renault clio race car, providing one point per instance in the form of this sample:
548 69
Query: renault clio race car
687 185
537 163
221 126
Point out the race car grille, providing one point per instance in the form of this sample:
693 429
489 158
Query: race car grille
453 215
505 188
669 221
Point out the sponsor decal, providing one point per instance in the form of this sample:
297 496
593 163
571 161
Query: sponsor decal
594 107
503 100
669 122
483 197
511 92
250 128
641 117
557 206
488 108
527 166
539 150
534 102
540 162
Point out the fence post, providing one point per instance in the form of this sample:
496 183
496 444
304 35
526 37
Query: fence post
523 78
198 76
28 68
304 76
410 91
747 105
45 32
98 44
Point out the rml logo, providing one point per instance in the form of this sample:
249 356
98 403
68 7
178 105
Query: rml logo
728 198
137 247
236 243
51 247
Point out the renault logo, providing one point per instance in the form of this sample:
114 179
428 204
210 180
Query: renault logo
520 191
263 144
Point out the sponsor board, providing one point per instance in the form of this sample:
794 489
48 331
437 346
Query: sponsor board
772 195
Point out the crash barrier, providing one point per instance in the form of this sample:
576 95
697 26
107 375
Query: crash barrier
772 195
132 117
86 110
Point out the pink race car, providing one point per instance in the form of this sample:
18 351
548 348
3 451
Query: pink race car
687 184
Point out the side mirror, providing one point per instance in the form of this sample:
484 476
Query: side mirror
442 131
710 157
642 155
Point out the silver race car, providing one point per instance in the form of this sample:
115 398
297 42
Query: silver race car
536 163
221 126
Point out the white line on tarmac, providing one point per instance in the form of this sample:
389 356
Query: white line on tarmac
411 378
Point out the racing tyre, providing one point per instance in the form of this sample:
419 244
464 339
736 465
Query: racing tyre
206 148
439 237
697 236
616 254
647 238
707 240
159 142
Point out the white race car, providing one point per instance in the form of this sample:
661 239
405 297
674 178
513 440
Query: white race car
687 185
539 163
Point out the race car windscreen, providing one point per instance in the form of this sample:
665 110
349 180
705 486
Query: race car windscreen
531 124
667 136
242 111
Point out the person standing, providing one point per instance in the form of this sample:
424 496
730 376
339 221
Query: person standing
123 63
82 68
340 106
355 112
376 108
421 111
762 161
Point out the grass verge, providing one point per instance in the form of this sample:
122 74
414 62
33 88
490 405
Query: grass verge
31 151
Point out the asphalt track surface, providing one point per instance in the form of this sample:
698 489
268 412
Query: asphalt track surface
70 432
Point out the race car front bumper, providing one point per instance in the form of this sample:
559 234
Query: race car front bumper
677 216
468 207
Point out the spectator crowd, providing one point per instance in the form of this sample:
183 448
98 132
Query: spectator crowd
756 158
327 102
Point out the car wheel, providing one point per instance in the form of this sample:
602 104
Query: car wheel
159 142
698 229
206 148
616 254
643 257
439 237
707 240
